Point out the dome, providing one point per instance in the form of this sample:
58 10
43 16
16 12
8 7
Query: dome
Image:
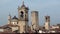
15 17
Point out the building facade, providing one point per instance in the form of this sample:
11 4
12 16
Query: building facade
22 20
20 24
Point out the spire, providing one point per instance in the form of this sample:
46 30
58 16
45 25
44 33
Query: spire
9 14
9 19
23 5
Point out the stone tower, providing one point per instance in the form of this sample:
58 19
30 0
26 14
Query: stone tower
47 22
34 20
23 18
9 19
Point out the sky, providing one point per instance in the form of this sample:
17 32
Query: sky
44 7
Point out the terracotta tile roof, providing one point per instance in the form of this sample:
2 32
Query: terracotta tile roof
8 26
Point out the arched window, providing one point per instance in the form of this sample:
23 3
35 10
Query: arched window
22 14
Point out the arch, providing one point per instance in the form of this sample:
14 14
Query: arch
22 14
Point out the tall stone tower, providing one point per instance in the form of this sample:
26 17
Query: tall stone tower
9 19
47 22
23 18
34 20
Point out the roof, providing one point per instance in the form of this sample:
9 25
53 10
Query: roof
11 25
8 26
23 6
4 27
15 17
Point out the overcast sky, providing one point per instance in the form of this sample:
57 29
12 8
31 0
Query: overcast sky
44 7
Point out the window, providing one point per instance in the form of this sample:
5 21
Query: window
22 14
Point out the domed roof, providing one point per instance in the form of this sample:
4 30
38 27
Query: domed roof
15 17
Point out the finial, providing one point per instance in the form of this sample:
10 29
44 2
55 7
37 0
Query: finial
9 14
23 2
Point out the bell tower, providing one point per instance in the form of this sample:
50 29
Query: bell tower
23 12
23 18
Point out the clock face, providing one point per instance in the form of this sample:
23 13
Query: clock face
22 14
